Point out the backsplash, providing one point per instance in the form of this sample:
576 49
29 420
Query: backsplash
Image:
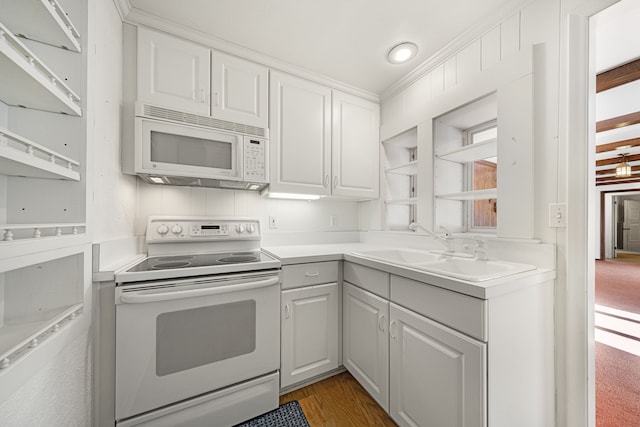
290 215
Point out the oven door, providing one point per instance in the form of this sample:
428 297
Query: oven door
182 338
180 150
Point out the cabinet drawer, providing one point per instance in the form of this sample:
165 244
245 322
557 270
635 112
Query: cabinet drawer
370 279
461 312
314 273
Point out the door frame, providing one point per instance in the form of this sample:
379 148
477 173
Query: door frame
575 343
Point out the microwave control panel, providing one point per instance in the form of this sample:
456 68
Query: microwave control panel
255 159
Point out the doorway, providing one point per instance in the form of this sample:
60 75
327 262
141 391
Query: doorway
616 303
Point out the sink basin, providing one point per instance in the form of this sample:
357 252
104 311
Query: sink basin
400 255
472 269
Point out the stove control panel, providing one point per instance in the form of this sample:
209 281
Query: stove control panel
184 229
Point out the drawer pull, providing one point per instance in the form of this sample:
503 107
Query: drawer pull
287 312
381 323
316 274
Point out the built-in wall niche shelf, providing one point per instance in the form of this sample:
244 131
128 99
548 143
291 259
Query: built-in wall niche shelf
409 169
16 232
408 201
472 152
28 82
20 156
490 193
41 20
42 294
17 340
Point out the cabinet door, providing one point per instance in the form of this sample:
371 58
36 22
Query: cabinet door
365 344
355 147
239 90
309 337
173 73
300 130
438 376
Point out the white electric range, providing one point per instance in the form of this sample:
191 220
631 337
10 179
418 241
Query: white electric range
198 325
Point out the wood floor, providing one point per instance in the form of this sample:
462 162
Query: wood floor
338 401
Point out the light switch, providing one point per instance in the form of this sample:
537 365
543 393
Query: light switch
558 215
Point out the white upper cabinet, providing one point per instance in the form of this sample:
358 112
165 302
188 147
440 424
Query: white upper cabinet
191 78
173 73
239 90
322 141
300 131
355 147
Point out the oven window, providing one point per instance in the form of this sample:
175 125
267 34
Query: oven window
187 339
187 150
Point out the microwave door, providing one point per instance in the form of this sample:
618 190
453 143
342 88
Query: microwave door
182 151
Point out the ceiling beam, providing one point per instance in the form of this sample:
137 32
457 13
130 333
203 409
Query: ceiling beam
618 122
618 76
612 146
612 181
616 160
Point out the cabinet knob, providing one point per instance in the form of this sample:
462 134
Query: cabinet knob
335 182
287 312
326 181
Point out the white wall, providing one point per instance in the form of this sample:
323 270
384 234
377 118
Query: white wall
292 216
114 194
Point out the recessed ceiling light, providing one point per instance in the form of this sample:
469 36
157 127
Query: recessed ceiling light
402 52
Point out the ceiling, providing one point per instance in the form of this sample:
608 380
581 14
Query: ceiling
618 108
345 40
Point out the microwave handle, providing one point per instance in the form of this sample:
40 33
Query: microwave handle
172 295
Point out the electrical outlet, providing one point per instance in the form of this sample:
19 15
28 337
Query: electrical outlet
272 222
333 221
558 215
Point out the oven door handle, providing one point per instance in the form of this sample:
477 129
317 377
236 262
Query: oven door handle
172 295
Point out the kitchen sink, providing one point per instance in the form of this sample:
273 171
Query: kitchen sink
460 267
473 269
400 255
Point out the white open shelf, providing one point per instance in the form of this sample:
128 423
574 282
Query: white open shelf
16 340
408 201
14 232
28 82
20 156
47 23
409 169
473 152
491 193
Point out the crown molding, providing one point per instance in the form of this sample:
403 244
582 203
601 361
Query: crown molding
123 7
454 46
139 17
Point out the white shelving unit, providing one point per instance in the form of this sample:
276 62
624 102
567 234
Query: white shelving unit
45 257
408 169
473 152
401 169
490 193
20 156
48 22
28 82
407 201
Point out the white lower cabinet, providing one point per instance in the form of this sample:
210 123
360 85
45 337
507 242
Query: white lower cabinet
309 341
366 341
434 357
437 374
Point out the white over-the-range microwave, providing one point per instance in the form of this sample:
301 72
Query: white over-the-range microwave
171 147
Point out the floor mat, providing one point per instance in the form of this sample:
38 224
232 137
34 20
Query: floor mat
288 415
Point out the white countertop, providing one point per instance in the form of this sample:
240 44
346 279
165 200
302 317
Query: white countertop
298 254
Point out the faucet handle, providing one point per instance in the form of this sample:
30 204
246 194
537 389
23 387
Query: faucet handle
481 249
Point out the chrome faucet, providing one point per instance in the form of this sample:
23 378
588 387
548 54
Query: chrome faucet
446 237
